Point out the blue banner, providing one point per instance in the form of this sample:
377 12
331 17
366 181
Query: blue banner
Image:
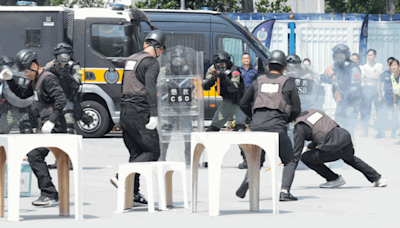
363 41
263 32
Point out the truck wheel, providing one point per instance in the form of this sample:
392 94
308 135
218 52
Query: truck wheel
100 124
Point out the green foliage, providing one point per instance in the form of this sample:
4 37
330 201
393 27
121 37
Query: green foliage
71 3
277 6
217 5
357 6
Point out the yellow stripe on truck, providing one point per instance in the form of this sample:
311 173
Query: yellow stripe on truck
99 73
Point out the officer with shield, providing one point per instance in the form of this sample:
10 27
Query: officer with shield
13 109
175 89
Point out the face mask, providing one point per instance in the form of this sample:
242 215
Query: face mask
339 61
64 58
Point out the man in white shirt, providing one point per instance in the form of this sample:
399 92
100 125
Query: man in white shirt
370 73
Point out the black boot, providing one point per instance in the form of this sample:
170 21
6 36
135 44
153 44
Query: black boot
212 128
239 127
25 127
241 192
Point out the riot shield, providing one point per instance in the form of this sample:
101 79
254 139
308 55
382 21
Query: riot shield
180 101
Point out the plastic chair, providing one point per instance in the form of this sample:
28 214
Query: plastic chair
217 144
13 148
126 179
165 171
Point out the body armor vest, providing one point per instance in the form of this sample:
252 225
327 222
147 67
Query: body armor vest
131 84
269 94
319 122
44 109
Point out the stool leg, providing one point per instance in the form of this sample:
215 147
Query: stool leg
196 153
2 179
168 188
184 188
274 173
150 191
77 164
129 183
63 180
161 188
254 177
14 177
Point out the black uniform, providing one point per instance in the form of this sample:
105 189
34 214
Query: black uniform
273 120
138 104
329 143
50 103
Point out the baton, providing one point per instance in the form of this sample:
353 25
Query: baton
218 87
270 168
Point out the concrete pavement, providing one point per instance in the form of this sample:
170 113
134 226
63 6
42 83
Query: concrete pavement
357 203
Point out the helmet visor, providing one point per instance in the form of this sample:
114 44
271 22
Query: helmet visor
64 57
178 61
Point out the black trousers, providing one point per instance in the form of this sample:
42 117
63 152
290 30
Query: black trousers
142 143
39 167
315 160
288 158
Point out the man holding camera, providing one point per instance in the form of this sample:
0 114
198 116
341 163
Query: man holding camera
230 86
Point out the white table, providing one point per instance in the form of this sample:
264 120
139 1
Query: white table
14 147
217 144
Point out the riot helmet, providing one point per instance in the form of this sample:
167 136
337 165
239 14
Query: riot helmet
277 57
156 38
178 61
293 62
62 52
24 59
221 57
340 49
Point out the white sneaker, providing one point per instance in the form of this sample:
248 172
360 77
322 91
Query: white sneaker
380 183
114 181
333 184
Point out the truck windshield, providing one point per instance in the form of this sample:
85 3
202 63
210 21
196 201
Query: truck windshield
250 36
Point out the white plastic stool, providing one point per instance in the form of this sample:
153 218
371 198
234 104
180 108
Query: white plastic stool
126 179
165 171
14 148
217 144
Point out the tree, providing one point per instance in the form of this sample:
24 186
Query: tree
80 3
277 6
217 5
362 6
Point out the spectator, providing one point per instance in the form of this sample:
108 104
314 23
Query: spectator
355 58
370 76
389 101
249 74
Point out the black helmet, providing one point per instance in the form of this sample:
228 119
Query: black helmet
277 57
24 59
62 48
156 38
222 57
178 61
295 59
341 48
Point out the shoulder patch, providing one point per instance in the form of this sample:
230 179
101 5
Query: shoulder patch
236 73
357 76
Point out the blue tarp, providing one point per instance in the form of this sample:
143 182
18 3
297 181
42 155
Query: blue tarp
313 16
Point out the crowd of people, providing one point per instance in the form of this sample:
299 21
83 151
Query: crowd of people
287 99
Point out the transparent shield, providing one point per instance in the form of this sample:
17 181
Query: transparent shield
180 101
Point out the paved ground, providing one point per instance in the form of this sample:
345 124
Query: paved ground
356 203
